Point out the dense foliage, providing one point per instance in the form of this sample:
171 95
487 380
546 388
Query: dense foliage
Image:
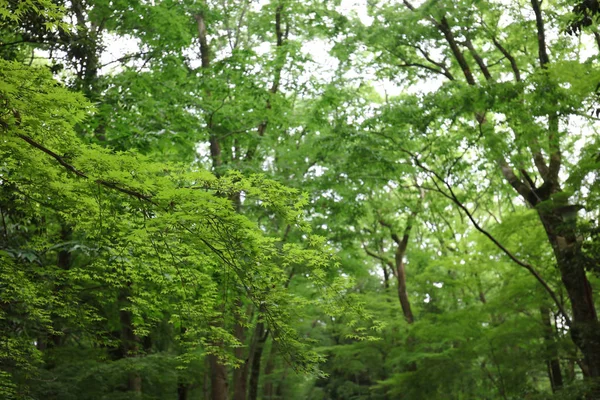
285 199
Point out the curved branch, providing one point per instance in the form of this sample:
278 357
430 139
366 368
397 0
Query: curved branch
509 57
530 268
71 168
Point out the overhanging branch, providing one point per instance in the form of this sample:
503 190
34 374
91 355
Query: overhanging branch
73 169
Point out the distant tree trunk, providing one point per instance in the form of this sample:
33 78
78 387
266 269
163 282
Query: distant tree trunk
402 292
400 267
268 387
280 384
552 361
129 341
218 378
261 336
64 262
206 379
240 375
400 272
182 391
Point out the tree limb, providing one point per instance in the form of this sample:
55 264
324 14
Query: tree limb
71 168
452 196
541 34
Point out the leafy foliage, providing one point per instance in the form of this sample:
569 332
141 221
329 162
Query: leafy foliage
223 211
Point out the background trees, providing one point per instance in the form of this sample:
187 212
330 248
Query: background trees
457 219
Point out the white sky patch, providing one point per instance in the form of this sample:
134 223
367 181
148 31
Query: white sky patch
317 170
117 47
357 7
268 164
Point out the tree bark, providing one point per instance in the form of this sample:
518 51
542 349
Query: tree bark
218 379
240 375
182 391
129 341
552 361
572 263
268 387
402 292
261 336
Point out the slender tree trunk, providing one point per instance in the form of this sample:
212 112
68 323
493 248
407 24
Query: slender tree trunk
240 375
402 292
205 379
268 387
261 335
64 262
129 342
552 361
182 391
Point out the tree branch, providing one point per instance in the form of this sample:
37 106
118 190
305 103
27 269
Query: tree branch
375 255
452 196
541 34
444 27
71 168
521 188
482 66
509 57
281 38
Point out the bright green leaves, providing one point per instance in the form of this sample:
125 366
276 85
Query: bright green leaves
166 240
15 11
37 106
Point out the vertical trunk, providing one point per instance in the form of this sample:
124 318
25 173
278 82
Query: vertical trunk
129 342
552 361
281 384
261 336
240 375
218 379
182 391
572 263
402 293
386 276
205 379
268 388
400 267
135 384
218 371
63 262
86 45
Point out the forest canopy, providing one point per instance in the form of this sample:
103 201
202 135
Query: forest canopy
299 199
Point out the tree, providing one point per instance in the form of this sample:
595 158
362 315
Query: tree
520 127
152 246
155 235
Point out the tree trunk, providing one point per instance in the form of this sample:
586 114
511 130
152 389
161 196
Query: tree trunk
552 361
268 387
402 292
218 379
182 391
257 349
129 342
240 375
585 329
